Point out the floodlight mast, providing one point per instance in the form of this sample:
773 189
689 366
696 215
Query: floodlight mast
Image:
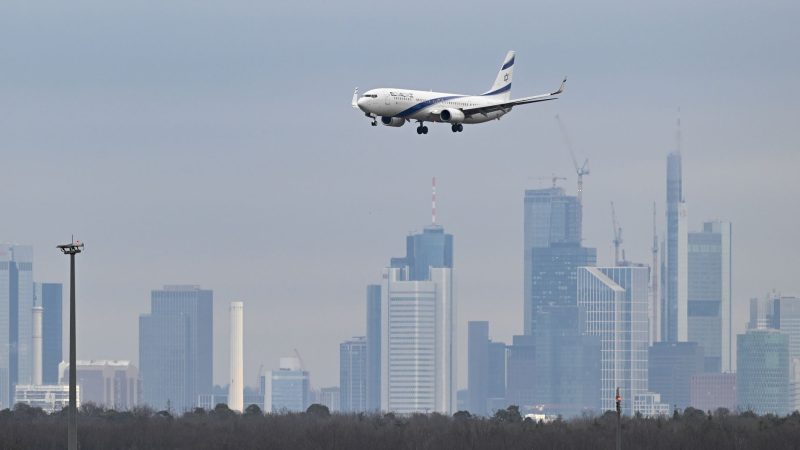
72 249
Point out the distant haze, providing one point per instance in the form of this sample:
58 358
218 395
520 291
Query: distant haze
213 143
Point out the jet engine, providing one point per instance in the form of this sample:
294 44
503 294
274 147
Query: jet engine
393 121
452 115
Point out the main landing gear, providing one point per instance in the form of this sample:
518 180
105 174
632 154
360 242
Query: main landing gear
422 129
457 128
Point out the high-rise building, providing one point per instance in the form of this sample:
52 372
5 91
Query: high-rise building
616 304
16 319
709 294
421 347
486 370
521 366
762 372
374 347
711 391
497 376
353 375
567 372
175 347
671 368
431 248
287 389
550 217
49 296
786 316
478 366
554 276
110 384
675 306
236 382
762 312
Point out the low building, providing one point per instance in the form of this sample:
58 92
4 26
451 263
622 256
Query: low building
50 398
711 391
649 404
111 384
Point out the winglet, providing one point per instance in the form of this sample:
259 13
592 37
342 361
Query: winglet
561 88
354 103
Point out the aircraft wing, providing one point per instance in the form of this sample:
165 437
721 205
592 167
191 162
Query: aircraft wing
511 103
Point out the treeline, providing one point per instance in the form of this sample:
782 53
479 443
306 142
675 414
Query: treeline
98 428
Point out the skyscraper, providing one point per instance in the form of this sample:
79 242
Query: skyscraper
421 329
550 217
616 303
497 376
762 372
110 384
567 372
521 366
16 319
353 375
709 294
49 296
675 306
175 347
478 366
787 319
373 347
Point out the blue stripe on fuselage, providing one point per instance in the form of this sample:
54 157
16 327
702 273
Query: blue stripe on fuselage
422 105
499 91
508 64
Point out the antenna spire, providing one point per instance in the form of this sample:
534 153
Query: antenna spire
678 137
433 201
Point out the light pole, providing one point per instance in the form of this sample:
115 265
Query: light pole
619 420
72 249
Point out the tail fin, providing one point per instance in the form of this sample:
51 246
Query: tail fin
502 84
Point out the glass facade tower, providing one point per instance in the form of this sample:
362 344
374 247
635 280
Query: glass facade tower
16 319
353 375
615 301
176 347
674 308
709 294
374 347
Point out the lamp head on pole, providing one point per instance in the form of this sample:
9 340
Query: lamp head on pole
71 248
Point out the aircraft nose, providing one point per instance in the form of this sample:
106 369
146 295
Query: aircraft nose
362 102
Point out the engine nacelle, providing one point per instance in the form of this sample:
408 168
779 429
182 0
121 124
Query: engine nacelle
393 121
452 115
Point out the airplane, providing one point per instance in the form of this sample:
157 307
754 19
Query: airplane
395 107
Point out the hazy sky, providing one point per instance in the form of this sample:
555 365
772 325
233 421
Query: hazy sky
214 143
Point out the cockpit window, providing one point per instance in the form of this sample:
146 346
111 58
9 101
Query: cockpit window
371 95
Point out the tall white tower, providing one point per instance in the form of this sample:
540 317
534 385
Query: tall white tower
37 345
236 386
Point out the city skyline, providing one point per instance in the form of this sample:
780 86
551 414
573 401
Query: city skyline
180 145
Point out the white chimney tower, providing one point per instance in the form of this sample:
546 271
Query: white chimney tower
236 386
38 313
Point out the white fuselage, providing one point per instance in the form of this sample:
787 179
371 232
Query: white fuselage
425 105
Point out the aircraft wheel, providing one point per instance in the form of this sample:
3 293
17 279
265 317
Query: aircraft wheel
424 130
454 127
460 128
419 130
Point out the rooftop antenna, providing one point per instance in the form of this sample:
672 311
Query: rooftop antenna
433 201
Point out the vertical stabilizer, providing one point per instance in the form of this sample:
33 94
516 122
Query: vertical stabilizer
502 84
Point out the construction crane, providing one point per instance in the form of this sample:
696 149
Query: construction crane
617 235
579 170
554 178
300 359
